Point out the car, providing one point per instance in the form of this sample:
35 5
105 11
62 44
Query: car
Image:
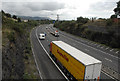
46 27
41 36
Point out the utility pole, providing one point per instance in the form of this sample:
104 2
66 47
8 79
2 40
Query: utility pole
57 20
57 17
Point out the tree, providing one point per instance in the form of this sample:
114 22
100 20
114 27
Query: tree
82 20
113 16
14 17
109 22
2 12
8 15
116 10
19 20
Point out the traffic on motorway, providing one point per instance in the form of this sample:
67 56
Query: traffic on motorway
73 63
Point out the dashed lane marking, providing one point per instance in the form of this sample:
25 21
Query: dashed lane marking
98 46
86 49
74 44
95 44
107 48
108 59
117 52
111 49
102 47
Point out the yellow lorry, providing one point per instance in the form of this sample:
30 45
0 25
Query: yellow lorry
78 64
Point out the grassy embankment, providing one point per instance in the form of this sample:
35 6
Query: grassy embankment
17 58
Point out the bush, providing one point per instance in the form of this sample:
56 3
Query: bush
8 15
11 37
82 20
14 17
19 20
18 29
109 22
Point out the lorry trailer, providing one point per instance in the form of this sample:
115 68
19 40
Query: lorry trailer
78 64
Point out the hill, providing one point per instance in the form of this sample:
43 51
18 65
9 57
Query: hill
34 18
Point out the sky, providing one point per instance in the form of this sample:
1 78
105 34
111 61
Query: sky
66 9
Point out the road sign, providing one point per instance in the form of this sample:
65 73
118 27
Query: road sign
53 22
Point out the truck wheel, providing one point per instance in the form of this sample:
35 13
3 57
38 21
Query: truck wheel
71 78
68 74
54 58
64 71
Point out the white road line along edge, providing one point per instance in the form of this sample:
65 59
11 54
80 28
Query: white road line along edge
50 57
108 59
108 75
35 59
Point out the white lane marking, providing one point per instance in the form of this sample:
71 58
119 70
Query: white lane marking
35 59
107 48
108 59
102 47
88 42
95 44
74 44
111 50
86 49
108 75
117 52
50 57
93 48
92 43
98 45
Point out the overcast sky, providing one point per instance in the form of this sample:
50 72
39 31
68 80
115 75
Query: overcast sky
67 9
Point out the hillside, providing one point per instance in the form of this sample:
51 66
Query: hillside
104 31
17 58
104 26
34 18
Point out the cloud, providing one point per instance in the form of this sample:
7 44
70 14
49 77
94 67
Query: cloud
0 4
49 6
32 8
103 6
102 9
68 9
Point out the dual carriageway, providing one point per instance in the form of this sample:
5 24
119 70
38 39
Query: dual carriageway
48 69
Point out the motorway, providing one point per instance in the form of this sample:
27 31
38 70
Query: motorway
48 70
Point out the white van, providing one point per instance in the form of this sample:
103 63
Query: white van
42 36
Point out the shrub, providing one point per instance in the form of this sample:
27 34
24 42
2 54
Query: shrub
109 22
11 36
18 29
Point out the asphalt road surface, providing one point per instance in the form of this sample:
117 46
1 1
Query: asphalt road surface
47 68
